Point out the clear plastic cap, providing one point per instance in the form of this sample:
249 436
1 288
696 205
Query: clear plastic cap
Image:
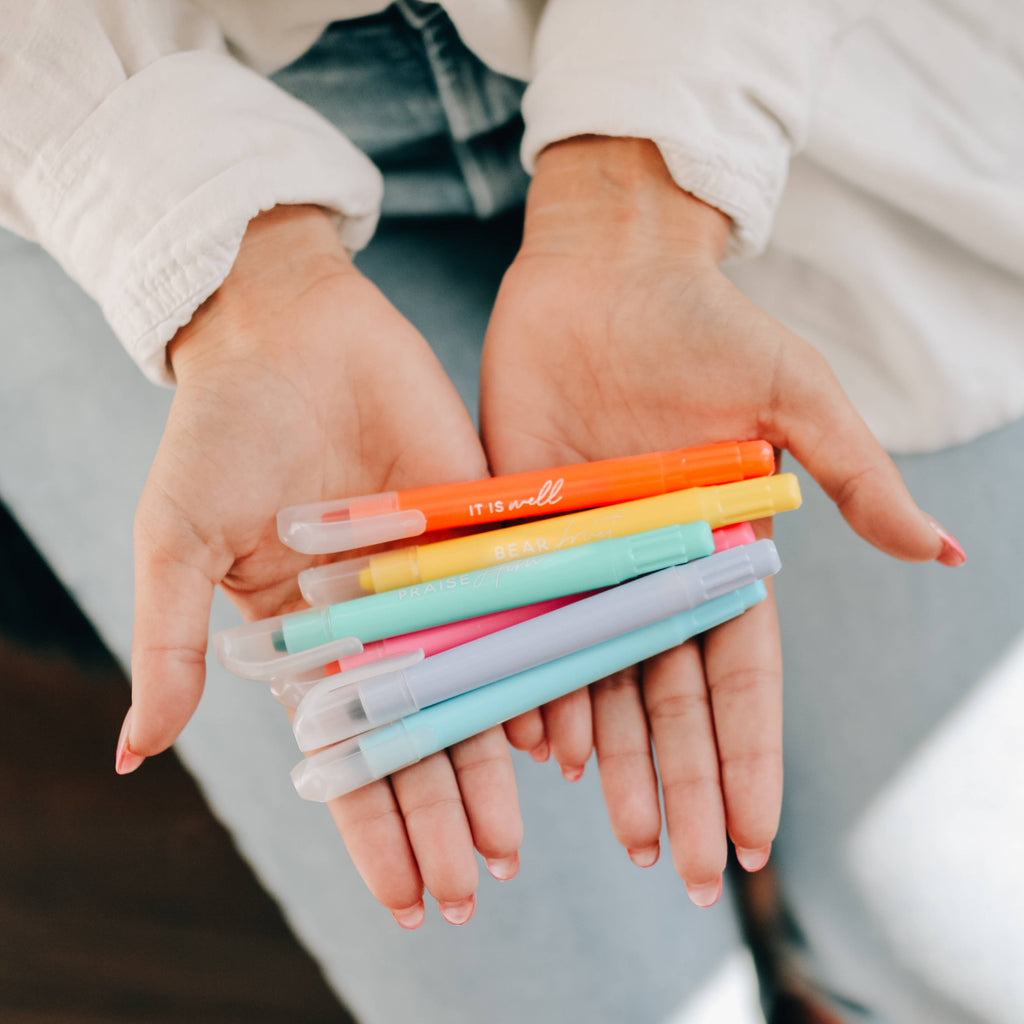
333 772
257 650
290 691
356 577
331 584
334 708
294 682
353 764
348 523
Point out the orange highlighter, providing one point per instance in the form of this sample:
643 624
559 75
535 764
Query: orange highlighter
348 523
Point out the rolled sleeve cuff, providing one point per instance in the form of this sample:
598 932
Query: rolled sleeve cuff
147 202
743 179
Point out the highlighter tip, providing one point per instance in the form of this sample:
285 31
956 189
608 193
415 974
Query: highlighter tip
277 638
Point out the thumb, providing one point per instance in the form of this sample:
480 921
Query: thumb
173 593
815 421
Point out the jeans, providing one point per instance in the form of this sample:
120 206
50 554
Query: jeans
442 127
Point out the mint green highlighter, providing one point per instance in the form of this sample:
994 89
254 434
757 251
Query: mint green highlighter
256 650
359 761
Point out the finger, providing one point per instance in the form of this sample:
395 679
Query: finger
626 766
483 767
812 417
683 732
373 830
570 732
743 667
175 574
526 732
435 821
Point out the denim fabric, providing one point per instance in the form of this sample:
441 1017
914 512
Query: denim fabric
443 128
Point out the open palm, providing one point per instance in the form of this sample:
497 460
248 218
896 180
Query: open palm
300 382
615 333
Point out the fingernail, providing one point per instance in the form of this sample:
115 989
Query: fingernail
503 868
126 760
457 913
704 895
753 859
541 752
952 554
410 917
645 856
572 772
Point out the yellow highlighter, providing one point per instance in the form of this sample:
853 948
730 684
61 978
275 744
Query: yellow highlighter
417 565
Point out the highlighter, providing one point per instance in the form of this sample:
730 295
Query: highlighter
290 685
404 567
255 649
361 760
328 526
351 703
289 688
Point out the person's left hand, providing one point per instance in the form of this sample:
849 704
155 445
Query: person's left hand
614 333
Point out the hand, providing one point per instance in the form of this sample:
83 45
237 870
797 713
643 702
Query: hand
614 333
298 381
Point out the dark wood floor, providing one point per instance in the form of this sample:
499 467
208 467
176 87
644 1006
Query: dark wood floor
121 899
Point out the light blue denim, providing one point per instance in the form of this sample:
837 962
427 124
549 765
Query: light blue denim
442 127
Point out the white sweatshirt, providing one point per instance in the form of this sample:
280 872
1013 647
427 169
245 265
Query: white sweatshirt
139 137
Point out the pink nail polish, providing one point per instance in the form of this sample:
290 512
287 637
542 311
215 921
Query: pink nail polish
952 554
645 856
753 859
572 772
126 760
704 896
458 913
410 917
503 868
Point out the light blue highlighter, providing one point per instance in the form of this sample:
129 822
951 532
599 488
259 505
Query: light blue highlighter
359 761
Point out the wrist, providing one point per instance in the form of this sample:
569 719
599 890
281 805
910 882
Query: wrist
284 252
597 194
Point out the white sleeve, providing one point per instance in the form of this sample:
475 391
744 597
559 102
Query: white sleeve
725 88
135 150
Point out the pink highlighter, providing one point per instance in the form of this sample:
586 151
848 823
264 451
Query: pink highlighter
289 691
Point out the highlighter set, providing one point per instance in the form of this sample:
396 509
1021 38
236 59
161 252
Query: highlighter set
411 650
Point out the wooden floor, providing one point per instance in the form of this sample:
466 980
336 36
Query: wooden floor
121 899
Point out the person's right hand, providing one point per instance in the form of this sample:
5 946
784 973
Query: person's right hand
297 382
